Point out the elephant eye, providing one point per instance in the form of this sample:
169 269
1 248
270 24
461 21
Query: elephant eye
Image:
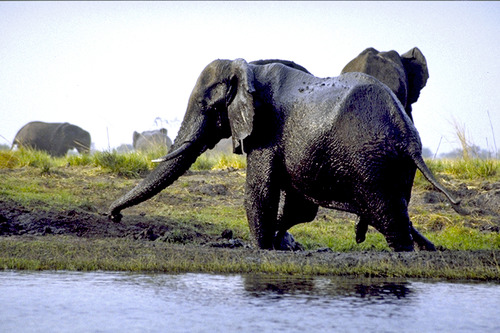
212 97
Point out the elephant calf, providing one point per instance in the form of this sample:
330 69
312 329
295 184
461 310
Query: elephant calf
54 138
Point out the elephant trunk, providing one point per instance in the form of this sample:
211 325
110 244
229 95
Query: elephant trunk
186 149
162 176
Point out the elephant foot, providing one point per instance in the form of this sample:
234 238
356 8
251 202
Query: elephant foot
284 241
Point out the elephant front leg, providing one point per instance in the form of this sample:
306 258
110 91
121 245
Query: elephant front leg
262 198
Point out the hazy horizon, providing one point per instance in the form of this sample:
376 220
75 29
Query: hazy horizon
117 67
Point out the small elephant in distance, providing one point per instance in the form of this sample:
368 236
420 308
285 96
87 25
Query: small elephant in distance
405 75
149 140
343 143
54 138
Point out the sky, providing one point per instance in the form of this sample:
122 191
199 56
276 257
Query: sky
113 68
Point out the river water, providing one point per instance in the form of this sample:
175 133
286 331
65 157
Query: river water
127 302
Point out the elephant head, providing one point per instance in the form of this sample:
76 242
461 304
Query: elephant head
405 75
220 106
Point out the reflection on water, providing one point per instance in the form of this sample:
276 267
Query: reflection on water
344 287
115 302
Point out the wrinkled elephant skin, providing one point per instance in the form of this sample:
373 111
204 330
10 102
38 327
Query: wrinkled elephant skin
343 143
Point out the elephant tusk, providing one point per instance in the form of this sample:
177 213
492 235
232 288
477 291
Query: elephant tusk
175 153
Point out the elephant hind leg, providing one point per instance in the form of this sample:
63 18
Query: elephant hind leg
294 209
361 229
392 220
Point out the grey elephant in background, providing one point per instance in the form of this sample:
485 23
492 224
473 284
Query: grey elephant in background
53 138
405 75
343 143
148 140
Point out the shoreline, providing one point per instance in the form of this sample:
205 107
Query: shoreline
113 254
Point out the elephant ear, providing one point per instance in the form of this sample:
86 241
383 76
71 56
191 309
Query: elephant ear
417 72
60 134
240 108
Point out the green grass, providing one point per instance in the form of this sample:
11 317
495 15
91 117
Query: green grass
462 238
221 161
136 164
463 169
69 253
336 234
27 158
36 192
131 164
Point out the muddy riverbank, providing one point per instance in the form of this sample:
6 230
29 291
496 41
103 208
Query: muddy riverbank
200 217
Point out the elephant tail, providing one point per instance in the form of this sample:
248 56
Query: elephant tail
455 203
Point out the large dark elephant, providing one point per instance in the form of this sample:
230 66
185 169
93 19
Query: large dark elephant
53 138
405 75
148 140
343 143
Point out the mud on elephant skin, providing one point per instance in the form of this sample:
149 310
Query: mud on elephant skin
148 140
53 138
405 75
343 143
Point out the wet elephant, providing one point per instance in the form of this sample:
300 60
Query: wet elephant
343 143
